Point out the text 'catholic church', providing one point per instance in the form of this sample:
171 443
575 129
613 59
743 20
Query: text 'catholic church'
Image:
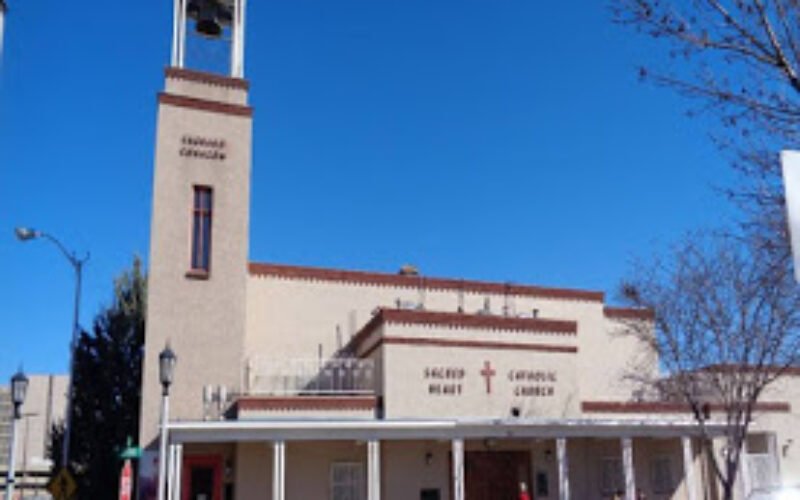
309 384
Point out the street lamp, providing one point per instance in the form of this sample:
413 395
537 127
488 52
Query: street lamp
27 234
166 373
19 386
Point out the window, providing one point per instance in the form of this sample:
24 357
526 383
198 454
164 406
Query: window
661 475
757 443
201 229
542 484
612 478
347 481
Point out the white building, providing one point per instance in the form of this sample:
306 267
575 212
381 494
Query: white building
307 383
44 406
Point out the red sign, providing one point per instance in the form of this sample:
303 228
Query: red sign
126 481
488 372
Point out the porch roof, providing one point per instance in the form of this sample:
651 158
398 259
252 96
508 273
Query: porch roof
362 430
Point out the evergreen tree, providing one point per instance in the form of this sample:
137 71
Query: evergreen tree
108 370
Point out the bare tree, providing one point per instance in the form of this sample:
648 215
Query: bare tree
738 60
727 325
738 57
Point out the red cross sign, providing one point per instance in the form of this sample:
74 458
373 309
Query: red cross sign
488 372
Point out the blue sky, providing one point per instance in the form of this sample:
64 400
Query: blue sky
507 141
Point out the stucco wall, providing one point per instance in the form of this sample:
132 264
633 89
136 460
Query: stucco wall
308 466
45 405
293 317
253 471
408 393
405 470
785 425
202 319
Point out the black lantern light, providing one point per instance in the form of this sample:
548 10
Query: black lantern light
19 387
166 368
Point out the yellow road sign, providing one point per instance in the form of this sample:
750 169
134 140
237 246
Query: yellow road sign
62 486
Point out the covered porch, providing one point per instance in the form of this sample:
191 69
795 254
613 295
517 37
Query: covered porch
435 459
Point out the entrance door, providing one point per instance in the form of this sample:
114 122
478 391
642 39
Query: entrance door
202 477
495 475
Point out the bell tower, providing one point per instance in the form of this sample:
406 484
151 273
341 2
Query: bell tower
218 27
200 213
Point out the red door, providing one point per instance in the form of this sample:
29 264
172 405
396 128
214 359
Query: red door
202 477
496 475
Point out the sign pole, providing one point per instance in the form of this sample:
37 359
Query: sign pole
126 481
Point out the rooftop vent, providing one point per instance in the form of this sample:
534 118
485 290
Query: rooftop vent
407 304
408 270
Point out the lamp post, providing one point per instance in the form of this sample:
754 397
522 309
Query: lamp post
25 440
166 373
19 386
27 234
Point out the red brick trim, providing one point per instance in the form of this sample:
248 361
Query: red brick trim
436 318
469 344
204 105
404 281
460 320
663 407
209 78
629 313
198 274
301 403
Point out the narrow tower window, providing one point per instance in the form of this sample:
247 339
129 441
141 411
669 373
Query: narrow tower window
201 229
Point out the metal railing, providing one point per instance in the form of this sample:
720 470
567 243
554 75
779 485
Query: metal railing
335 376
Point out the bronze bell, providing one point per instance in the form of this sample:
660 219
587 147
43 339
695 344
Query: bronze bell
210 16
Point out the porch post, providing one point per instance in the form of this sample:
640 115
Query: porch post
563 469
171 473
373 470
279 470
458 469
178 470
627 464
744 471
772 450
688 468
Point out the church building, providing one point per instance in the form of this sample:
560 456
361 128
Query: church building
306 383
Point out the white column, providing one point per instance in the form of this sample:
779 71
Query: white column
688 468
563 469
234 68
458 469
12 452
627 464
279 470
182 33
171 474
242 18
772 450
374 470
162 453
178 468
2 23
176 16
237 56
744 472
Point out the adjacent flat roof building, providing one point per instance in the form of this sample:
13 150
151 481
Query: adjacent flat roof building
45 404
309 383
